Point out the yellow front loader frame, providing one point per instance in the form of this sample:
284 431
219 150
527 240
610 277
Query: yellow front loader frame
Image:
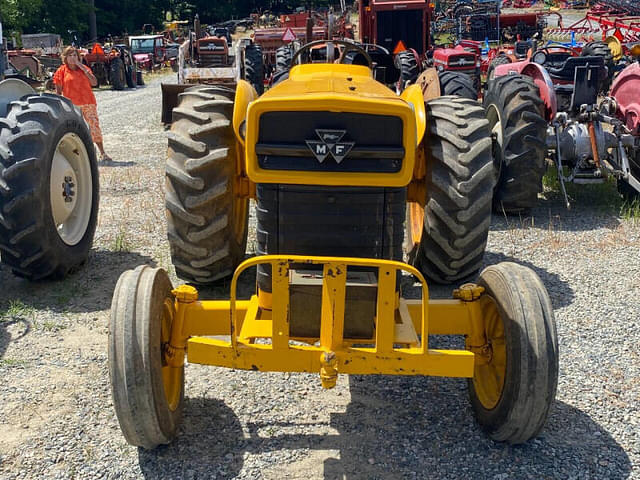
400 345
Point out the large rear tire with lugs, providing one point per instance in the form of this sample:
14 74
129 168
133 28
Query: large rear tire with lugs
206 221
515 380
601 49
147 393
516 117
458 84
459 184
254 67
49 188
407 64
117 74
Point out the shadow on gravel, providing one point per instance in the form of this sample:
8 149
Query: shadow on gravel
88 290
191 456
21 325
115 163
560 291
391 421
552 216
405 427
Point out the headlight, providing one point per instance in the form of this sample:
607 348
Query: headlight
440 68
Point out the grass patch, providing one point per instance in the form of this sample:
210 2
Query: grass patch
13 363
16 309
604 196
630 210
121 243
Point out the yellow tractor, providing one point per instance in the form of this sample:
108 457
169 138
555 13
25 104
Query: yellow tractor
339 166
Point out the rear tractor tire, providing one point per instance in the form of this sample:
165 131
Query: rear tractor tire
512 393
117 74
601 49
499 60
406 62
131 76
49 188
458 84
147 394
459 184
516 117
206 222
254 67
284 55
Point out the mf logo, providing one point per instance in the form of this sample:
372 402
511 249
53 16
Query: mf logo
330 144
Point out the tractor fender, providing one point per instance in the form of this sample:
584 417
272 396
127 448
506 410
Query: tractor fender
625 91
413 96
245 94
12 89
540 77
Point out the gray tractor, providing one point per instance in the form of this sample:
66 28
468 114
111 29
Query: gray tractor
48 180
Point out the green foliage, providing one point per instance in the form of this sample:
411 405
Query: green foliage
117 17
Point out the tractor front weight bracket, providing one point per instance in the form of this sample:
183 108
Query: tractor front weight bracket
242 334
175 350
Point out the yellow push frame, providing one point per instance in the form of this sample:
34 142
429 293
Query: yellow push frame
196 323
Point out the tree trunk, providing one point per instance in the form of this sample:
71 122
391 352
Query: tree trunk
93 30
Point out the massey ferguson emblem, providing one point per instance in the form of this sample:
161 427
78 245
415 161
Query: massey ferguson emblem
330 144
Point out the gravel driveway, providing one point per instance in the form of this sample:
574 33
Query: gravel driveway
57 418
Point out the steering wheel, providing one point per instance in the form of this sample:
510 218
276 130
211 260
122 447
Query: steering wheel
348 47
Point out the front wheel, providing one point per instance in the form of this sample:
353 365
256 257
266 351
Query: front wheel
515 379
147 393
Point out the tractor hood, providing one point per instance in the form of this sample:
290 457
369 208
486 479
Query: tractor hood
331 124
338 79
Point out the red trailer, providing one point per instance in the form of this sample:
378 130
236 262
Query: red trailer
396 25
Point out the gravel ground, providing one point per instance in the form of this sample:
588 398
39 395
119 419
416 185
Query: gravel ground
56 414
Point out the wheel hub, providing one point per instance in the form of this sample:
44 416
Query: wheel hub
71 189
490 367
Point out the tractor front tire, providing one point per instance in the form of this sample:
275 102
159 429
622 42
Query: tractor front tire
49 188
458 84
516 118
207 224
513 389
117 74
147 394
254 67
460 179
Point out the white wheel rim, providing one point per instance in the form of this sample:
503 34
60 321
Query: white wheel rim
71 189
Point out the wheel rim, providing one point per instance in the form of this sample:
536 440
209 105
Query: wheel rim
171 376
488 378
71 189
497 136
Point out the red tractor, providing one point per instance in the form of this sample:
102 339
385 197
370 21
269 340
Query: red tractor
547 107
403 28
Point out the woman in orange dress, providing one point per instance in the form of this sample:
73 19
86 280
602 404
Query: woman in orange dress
74 80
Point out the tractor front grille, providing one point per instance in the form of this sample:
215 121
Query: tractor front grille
330 142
